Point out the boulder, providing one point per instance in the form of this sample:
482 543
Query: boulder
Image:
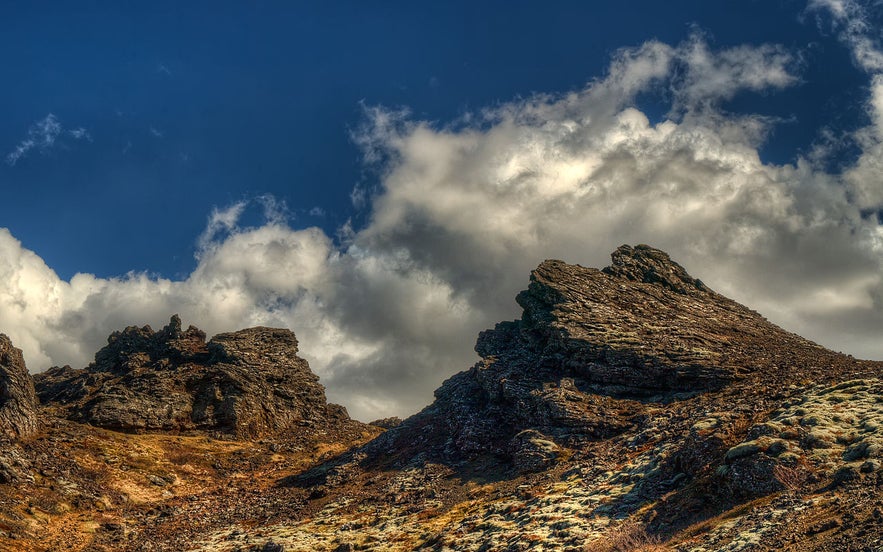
532 451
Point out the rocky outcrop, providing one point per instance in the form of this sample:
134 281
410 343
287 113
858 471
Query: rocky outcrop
592 351
248 383
18 403
628 408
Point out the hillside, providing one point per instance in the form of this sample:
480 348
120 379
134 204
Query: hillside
629 408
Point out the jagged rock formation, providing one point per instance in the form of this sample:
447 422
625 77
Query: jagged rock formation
18 403
247 383
593 348
630 408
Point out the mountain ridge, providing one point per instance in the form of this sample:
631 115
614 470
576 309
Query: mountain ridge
629 408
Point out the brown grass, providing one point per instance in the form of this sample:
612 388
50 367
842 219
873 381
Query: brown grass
629 536
791 478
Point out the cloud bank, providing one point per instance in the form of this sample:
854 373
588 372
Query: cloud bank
463 212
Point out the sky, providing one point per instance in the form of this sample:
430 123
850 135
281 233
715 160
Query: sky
382 177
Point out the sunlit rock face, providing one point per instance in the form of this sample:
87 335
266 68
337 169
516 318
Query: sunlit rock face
18 403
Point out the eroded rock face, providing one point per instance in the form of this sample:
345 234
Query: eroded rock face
592 350
247 383
18 402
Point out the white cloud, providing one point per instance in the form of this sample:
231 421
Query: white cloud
42 136
709 77
463 212
856 29
220 221
80 134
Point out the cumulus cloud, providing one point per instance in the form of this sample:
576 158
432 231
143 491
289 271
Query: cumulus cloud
853 23
463 212
858 31
42 137
707 77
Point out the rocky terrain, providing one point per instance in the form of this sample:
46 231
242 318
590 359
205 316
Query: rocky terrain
629 408
248 384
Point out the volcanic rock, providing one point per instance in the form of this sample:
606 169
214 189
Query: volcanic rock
247 383
391 422
18 402
593 349
628 408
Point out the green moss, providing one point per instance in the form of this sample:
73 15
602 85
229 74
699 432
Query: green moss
742 450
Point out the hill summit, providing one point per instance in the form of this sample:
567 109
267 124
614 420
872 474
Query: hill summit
595 349
247 384
629 408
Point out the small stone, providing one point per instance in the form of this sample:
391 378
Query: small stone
823 526
532 451
156 480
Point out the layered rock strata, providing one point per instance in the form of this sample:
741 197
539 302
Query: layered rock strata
18 402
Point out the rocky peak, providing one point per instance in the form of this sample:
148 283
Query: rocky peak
646 264
247 383
594 349
642 325
18 402
252 344
134 346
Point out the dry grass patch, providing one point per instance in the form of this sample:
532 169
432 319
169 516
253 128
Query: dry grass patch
628 536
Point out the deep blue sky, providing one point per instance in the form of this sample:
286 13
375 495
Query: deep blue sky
193 105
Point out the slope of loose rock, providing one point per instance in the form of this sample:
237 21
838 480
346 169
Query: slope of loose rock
630 408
